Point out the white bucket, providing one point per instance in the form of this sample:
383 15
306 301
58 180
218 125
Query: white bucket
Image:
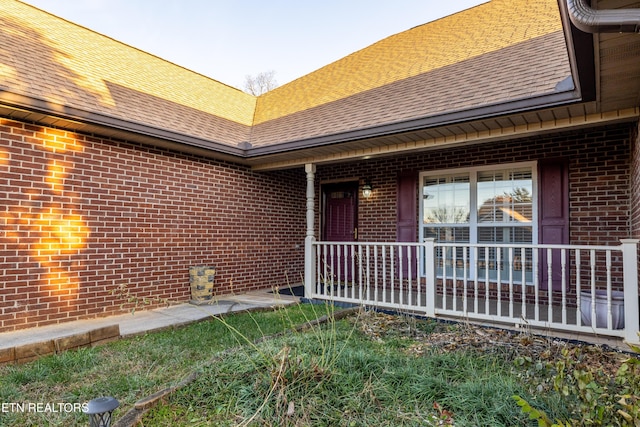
617 309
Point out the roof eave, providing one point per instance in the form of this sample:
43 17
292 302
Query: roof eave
73 119
440 120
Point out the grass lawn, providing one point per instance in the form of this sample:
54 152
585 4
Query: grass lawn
368 369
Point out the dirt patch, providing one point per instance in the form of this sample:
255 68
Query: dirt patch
426 336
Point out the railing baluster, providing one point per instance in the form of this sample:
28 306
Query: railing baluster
401 275
392 274
384 273
375 269
419 256
593 288
444 277
341 271
319 263
550 285
499 281
578 264
487 281
332 268
410 275
360 293
454 261
511 297
523 280
465 284
476 279
563 269
368 278
609 292
536 285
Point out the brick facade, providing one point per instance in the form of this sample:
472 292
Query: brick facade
92 226
599 174
635 183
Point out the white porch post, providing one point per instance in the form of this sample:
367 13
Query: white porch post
430 272
630 275
309 253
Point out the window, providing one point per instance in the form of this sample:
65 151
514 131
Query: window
481 205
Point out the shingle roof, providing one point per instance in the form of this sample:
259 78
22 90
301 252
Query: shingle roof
50 59
493 53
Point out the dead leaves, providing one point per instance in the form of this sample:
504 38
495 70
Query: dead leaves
427 336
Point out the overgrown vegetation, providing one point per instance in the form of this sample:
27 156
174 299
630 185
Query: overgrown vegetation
338 376
368 369
132 368
594 394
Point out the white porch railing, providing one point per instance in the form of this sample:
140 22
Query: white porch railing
587 289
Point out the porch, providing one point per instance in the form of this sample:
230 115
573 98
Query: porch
545 287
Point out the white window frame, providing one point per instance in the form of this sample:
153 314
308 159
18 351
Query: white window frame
473 191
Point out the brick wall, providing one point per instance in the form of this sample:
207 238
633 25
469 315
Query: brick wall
634 187
88 222
635 183
599 167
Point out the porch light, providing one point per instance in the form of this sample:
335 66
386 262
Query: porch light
99 411
367 189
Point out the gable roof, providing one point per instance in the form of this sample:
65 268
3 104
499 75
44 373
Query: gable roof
503 55
452 40
65 66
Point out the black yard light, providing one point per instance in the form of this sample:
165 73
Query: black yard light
99 411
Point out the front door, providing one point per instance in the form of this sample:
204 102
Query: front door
340 214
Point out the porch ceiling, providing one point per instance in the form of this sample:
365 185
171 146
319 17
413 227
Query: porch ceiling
512 126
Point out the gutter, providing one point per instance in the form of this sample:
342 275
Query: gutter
603 21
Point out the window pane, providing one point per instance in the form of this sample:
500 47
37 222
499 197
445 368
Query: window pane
448 234
518 258
446 199
505 196
504 235
448 258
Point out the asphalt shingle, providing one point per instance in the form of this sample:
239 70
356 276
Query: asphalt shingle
493 53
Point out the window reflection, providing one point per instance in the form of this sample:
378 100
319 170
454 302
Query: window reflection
505 196
446 199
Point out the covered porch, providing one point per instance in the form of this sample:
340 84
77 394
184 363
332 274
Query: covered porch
575 289
519 209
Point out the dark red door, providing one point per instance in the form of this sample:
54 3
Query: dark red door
553 217
340 225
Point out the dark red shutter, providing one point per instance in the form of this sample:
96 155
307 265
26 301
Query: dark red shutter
407 217
553 215
407 225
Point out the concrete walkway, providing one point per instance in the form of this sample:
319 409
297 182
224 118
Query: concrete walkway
147 320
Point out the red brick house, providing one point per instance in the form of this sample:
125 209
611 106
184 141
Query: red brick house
498 146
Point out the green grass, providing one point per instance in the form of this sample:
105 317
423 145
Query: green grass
290 381
133 368
342 373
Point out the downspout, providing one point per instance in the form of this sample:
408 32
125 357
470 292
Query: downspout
603 21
